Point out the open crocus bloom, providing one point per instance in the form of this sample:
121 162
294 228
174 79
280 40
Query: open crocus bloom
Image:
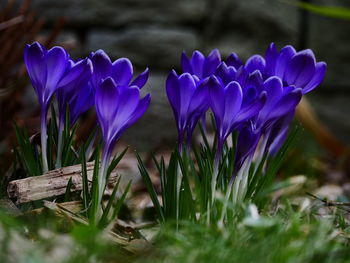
121 71
298 69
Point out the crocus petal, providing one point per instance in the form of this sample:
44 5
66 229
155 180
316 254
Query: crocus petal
283 60
187 87
56 63
106 103
211 63
255 79
274 89
82 69
254 63
173 93
199 102
102 67
251 109
34 57
234 61
278 133
185 64
225 73
318 77
246 144
197 62
128 100
233 102
141 79
217 98
271 56
286 104
301 69
122 71
82 102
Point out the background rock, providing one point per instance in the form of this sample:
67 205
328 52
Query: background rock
152 33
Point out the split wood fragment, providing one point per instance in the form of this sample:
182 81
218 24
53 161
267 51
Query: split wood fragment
51 184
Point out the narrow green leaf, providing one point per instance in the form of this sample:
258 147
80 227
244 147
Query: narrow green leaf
93 209
120 201
150 188
68 190
104 219
115 162
86 194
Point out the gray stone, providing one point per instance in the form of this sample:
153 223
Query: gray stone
157 126
118 13
330 40
248 27
151 46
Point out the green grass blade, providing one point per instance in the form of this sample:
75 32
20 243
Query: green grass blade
150 188
120 201
68 190
86 194
104 219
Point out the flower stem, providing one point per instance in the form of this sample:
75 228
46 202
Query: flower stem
43 137
178 186
216 170
60 145
102 177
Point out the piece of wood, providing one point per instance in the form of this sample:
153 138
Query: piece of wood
306 114
51 184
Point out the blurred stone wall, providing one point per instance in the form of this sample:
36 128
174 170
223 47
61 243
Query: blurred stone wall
153 33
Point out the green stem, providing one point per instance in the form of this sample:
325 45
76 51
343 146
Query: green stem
102 180
43 137
59 146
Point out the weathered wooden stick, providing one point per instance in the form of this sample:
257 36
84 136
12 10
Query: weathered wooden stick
51 184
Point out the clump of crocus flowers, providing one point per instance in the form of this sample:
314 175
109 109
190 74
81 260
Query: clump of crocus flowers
255 101
78 86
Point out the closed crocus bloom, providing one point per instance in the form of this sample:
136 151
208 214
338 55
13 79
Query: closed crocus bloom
279 102
120 70
83 100
46 68
76 78
228 108
199 65
226 103
189 101
117 108
72 86
298 69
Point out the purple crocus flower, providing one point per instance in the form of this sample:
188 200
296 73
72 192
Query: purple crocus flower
199 65
298 69
188 98
226 103
117 108
73 91
280 101
46 68
229 109
81 102
120 70
75 81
